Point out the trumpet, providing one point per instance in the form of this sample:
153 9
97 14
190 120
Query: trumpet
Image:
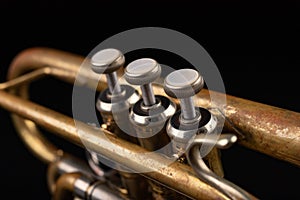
121 166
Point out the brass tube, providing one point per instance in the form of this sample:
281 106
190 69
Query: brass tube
63 66
66 164
35 141
24 79
125 153
26 129
267 129
34 58
65 186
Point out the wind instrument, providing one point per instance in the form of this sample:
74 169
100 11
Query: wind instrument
181 170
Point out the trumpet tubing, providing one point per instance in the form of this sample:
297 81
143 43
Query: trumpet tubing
269 130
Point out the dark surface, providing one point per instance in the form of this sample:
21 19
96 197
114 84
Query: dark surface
255 46
138 107
205 118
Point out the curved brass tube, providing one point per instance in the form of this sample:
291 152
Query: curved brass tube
35 141
124 153
66 164
63 66
204 173
65 186
267 129
34 59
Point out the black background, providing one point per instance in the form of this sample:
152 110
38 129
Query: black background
255 46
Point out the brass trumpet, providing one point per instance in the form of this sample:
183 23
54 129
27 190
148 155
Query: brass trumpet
270 130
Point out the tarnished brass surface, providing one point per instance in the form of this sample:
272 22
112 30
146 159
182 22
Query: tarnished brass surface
127 154
270 130
267 129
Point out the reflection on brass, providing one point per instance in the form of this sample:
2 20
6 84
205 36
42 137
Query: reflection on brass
123 152
263 128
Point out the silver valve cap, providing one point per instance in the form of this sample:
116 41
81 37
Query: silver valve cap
107 61
183 83
142 71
